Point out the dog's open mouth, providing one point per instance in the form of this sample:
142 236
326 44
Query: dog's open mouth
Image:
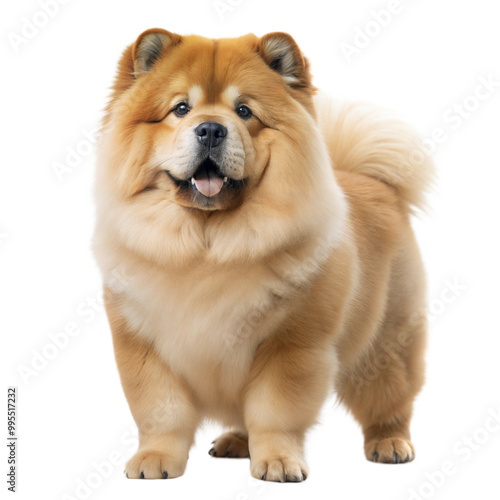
208 180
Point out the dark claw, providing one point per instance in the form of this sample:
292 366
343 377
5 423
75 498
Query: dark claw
142 475
210 451
375 457
396 458
165 474
126 474
304 477
263 477
227 453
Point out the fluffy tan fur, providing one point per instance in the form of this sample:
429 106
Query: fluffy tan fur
251 307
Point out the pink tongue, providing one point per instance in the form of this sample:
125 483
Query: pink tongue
207 183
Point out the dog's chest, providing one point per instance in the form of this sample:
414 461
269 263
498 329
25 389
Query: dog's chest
205 324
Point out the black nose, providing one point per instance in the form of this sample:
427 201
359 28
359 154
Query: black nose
210 134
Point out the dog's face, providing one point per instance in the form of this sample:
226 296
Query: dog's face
191 114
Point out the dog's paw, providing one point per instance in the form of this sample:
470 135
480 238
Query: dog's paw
154 464
280 469
390 451
231 445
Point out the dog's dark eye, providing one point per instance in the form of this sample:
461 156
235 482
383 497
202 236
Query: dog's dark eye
244 112
181 109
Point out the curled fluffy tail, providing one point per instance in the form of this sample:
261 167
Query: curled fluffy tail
365 139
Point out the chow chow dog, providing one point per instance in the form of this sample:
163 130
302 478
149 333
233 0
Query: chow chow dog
257 254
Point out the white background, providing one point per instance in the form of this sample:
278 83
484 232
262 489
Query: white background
429 58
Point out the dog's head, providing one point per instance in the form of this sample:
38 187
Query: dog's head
210 151
189 114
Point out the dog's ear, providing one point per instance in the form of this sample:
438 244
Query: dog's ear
149 47
282 54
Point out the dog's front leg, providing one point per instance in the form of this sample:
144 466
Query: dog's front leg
161 404
289 383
